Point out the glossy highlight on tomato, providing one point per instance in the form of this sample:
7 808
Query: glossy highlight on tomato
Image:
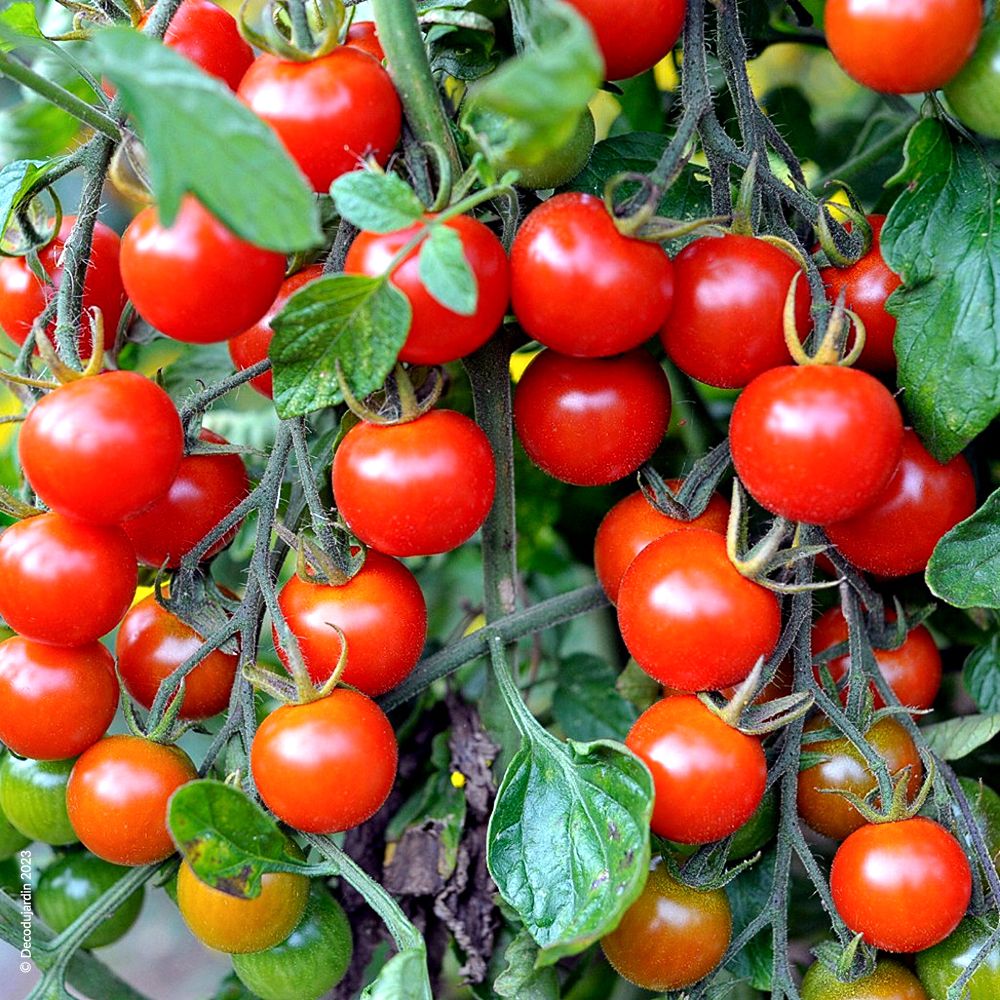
889 981
33 798
940 966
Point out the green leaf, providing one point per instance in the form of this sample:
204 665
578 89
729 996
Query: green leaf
445 272
520 980
981 675
748 895
637 687
957 738
403 977
18 23
359 321
964 568
15 179
943 238
201 139
585 702
377 202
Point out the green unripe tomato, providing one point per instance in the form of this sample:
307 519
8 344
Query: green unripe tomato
985 805
561 165
751 836
70 885
974 95
889 981
33 797
11 840
310 961
940 966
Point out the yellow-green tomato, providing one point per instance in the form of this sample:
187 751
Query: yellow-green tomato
974 95
889 981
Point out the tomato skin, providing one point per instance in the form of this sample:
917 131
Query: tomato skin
902 46
418 488
796 437
591 421
688 617
117 798
68 886
33 798
47 562
558 167
11 841
380 610
889 981
708 777
727 322
102 448
580 287
896 533
197 281
55 701
329 112
363 35
940 966
972 94
671 936
325 766
905 885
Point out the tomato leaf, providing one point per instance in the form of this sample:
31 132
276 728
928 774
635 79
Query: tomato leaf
403 977
15 179
359 321
964 568
748 895
943 238
19 23
981 675
445 272
202 140
586 703
957 738
520 979
376 202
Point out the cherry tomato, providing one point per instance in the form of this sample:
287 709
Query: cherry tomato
236 925
380 610
757 831
363 35
251 346
688 617
889 981
727 323
905 885
55 701
416 488
70 885
102 448
580 287
817 443
205 489
33 798
117 798
902 46
558 166
329 113
327 765
47 562
590 421
671 936
708 777
913 671
940 966
896 533
985 806
437 334
972 94
11 840
23 296
633 36
310 962
196 281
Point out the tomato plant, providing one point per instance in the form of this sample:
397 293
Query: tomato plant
969 92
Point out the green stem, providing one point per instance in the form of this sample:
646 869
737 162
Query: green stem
869 157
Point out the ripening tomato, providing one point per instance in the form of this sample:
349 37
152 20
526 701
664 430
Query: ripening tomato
11 840
417 488
329 113
117 798
33 798
582 288
708 778
101 449
816 443
381 612
363 35
905 885
23 296
47 564
689 618
196 280
895 534
889 981
972 94
985 806
591 421
671 936
55 701
327 765
940 966
726 326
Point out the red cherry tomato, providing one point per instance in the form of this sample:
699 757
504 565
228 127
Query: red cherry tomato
63 581
580 287
727 323
817 443
102 448
196 281
55 701
905 886
688 617
23 296
902 46
417 488
117 798
205 489
633 36
438 335
896 533
251 346
708 778
362 35
590 421
380 610
327 765
330 113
